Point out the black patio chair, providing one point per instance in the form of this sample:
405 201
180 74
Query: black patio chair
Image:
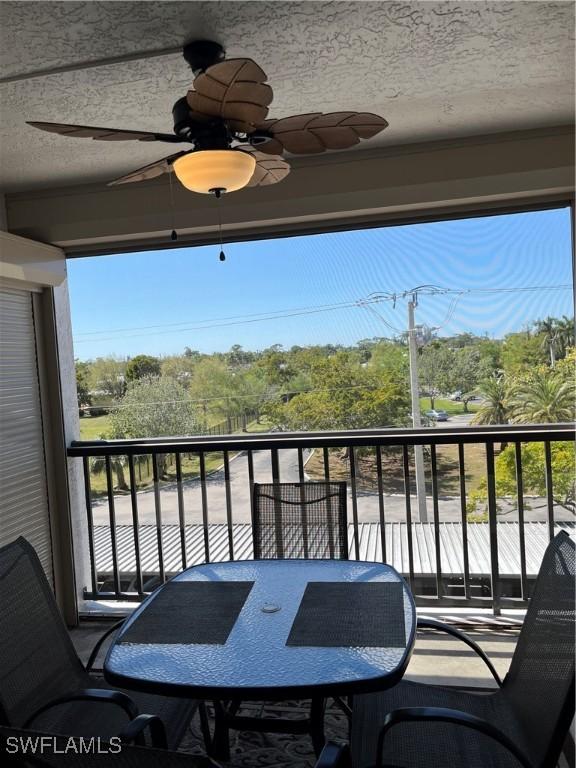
522 723
291 520
43 683
307 520
64 752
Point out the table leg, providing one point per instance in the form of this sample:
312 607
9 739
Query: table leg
220 748
317 725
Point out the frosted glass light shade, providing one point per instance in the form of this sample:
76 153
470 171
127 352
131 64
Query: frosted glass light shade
210 169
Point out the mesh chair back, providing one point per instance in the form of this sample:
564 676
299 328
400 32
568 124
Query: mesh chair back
37 659
49 751
293 520
540 683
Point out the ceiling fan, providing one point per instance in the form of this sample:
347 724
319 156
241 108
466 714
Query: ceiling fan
225 120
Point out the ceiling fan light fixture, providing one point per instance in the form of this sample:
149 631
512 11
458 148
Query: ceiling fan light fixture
208 170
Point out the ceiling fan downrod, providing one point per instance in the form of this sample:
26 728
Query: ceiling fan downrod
201 54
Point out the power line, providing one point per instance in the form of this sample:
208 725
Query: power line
374 298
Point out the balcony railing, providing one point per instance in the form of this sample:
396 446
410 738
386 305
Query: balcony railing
139 538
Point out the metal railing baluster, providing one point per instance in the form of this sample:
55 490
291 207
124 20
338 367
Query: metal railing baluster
493 529
158 514
250 458
436 512
326 458
228 505
91 549
135 525
112 517
381 502
549 488
464 518
204 496
304 507
352 461
520 506
278 528
181 513
301 475
408 506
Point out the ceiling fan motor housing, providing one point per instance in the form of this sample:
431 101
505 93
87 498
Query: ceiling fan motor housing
213 134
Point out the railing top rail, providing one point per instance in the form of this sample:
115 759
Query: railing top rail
365 437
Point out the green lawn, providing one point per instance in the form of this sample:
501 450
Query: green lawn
450 406
93 427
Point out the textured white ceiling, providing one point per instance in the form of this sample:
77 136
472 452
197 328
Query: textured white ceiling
433 69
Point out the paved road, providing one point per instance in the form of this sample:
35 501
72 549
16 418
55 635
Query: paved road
367 502
215 491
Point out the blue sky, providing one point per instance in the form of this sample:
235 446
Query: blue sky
278 291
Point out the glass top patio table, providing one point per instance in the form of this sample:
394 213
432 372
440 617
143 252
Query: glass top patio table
259 659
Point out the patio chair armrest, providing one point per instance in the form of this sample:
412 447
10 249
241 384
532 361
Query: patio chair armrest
134 731
100 641
440 625
98 695
334 756
453 716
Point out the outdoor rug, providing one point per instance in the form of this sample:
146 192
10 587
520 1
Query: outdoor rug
272 750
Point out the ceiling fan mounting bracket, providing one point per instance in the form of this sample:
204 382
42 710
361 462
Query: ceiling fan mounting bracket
201 54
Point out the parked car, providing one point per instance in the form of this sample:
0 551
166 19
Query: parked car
437 415
456 396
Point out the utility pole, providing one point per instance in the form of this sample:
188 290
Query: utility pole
416 420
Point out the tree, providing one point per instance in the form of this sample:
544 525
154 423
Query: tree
117 464
107 377
344 395
490 354
82 384
468 370
212 387
543 398
521 352
388 357
566 339
238 357
188 352
550 338
435 370
178 367
154 407
142 366
563 460
276 366
494 408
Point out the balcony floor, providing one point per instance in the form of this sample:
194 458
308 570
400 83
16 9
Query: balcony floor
437 659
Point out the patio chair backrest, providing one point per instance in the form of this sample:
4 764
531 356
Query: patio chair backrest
300 520
49 751
37 659
540 683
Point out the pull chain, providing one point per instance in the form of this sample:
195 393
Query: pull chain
174 234
218 195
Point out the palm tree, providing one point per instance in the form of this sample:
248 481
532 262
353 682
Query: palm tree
550 337
565 333
544 398
494 408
